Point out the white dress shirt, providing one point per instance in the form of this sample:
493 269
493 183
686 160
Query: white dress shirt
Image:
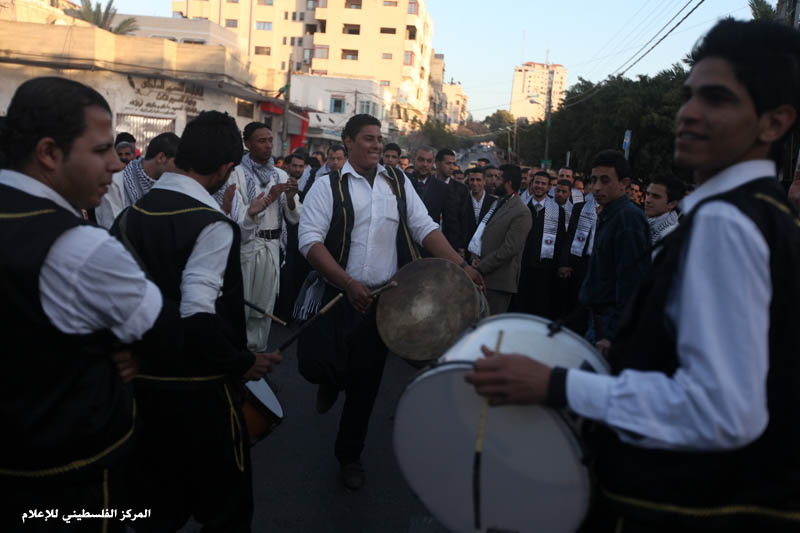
719 305
113 201
201 280
88 281
269 218
373 252
477 204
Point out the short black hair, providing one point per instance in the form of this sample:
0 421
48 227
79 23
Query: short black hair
487 167
424 148
164 143
765 57
444 152
485 160
473 170
543 173
288 159
614 159
404 156
45 107
124 144
676 189
251 128
566 168
320 152
336 148
394 147
124 136
458 171
513 174
579 178
209 141
357 123
564 183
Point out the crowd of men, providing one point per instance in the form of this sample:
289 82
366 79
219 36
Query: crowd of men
209 237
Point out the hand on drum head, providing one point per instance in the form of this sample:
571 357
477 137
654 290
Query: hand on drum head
127 365
358 295
263 365
507 379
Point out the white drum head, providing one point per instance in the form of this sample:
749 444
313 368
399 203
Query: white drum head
531 477
263 392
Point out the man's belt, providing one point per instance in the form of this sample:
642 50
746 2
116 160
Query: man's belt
269 234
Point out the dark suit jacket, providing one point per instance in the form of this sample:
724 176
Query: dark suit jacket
488 200
457 215
433 195
502 245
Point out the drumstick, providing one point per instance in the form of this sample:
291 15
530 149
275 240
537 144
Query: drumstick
256 308
476 464
328 306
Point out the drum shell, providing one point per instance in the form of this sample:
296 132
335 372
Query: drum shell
259 418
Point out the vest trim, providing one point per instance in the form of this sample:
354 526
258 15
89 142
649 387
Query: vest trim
27 214
177 212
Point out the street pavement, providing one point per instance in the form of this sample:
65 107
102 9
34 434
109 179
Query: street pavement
295 474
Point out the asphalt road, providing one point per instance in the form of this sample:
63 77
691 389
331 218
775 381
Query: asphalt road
295 474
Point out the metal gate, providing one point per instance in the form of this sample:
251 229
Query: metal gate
143 128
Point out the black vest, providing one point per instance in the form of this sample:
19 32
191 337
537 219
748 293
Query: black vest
752 488
337 241
163 227
62 404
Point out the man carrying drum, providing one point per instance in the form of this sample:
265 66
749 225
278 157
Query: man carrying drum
699 419
357 227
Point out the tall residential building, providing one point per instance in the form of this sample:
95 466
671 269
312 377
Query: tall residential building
529 91
437 101
456 105
384 40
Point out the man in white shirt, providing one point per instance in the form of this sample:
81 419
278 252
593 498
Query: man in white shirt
137 178
75 306
256 178
358 226
699 417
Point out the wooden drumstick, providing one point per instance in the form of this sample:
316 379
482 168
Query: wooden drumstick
257 309
328 306
476 464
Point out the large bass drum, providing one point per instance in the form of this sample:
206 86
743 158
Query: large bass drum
531 475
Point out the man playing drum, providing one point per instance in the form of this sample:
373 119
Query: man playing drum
699 421
357 227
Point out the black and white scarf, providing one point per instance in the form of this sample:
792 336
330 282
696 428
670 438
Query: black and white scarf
263 174
550 228
585 230
135 181
660 223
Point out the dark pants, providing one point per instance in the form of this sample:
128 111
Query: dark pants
343 349
498 301
92 488
536 292
192 458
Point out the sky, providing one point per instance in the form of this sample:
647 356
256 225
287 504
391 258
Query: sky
591 38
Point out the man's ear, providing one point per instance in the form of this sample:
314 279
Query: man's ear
625 182
47 153
672 205
774 124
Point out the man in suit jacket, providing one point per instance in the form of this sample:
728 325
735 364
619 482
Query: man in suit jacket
457 208
432 191
481 200
503 242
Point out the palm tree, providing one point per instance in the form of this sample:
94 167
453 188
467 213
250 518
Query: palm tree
762 10
102 18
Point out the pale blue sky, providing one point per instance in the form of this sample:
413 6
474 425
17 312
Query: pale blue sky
591 38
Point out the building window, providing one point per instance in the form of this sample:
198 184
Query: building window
232 1
390 31
307 52
408 59
266 2
390 3
244 109
323 24
193 41
365 108
231 23
292 41
387 55
319 72
385 83
321 51
302 16
294 15
350 55
200 18
284 40
322 3
352 4
311 5
285 15
311 29
263 51
351 29
337 104
411 33
413 7
283 65
263 25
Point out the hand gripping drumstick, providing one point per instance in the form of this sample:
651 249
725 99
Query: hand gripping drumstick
336 299
476 464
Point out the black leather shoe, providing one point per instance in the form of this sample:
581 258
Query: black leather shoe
326 397
352 475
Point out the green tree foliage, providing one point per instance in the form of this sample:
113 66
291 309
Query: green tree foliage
598 117
103 18
499 120
762 10
433 133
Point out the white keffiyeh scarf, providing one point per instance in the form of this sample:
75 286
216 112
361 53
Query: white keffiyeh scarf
550 229
264 174
585 230
660 223
135 181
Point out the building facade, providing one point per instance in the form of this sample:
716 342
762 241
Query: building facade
456 105
531 86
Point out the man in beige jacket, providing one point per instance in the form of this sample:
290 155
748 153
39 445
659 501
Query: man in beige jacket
503 241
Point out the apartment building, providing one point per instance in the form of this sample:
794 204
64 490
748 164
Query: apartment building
530 88
388 41
456 105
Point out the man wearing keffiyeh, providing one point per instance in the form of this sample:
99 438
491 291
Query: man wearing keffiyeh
263 196
661 200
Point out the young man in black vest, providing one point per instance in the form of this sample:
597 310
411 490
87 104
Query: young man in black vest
193 456
73 299
699 419
360 225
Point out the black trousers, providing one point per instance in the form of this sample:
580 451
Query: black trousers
192 458
343 349
537 292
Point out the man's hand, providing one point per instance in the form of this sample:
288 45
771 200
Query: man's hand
127 365
263 365
227 199
258 204
565 272
794 190
358 294
291 187
510 379
476 277
604 345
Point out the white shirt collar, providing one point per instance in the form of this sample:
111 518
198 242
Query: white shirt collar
34 187
479 200
447 181
730 178
172 181
348 169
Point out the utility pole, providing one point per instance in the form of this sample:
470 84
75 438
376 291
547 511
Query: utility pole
548 108
285 129
516 137
355 107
